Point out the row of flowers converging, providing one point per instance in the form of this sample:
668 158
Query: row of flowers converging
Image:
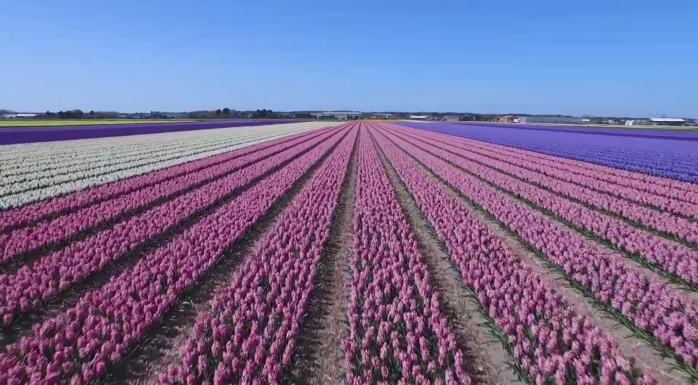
251 329
681 200
66 175
396 328
672 157
80 343
143 195
668 256
28 214
31 286
536 325
655 310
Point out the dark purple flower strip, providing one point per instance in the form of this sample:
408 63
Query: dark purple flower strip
397 331
253 325
52 134
78 345
652 307
30 213
543 334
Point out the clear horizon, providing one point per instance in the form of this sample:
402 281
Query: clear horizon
629 58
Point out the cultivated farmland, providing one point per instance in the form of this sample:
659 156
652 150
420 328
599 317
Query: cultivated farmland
356 253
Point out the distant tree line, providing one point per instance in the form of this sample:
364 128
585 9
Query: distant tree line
227 113
224 113
78 114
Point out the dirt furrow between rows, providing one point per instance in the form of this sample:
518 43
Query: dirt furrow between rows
318 358
489 362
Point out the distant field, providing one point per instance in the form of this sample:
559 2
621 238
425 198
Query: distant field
60 123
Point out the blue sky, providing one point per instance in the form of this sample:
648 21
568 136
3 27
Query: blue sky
599 57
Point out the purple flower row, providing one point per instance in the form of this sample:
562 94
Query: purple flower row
253 325
664 158
541 176
48 232
652 306
31 286
78 345
33 212
543 334
396 326
676 201
668 256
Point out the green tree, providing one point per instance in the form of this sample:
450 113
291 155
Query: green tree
226 111
218 112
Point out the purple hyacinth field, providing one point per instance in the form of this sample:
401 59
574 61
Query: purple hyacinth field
349 253
666 154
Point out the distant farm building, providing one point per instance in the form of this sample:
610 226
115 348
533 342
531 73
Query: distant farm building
418 117
550 119
381 115
337 115
667 121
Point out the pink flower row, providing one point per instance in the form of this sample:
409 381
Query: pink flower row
396 325
667 195
49 232
669 256
652 306
586 188
35 211
78 345
548 338
31 286
253 325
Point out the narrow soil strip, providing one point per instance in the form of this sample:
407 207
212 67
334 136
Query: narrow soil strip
163 342
643 355
490 364
318 359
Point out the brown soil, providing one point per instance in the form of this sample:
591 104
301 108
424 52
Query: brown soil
631 347
319 359
490 364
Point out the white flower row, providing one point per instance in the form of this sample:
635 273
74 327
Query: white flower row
80 182
112 157
67 159
37 156
14 151
95 167
88 169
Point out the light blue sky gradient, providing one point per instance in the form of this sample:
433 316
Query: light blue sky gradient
599 57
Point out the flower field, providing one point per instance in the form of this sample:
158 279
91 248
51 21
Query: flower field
355 253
